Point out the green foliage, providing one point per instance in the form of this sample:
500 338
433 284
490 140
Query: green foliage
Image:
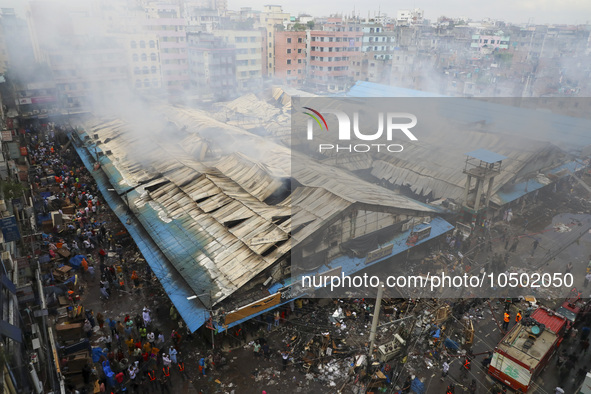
310 24
12 189
299 27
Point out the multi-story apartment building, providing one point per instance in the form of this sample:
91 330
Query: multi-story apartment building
166 23
377 48
143 58
87 65
15 43
272 18
378 42
212 67
410 17
248 44
88 72
290 56
332 52
3 53
201 18
489 42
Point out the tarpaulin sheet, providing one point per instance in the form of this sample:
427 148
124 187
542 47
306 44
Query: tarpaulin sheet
76 261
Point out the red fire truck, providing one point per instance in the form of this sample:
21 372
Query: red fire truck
574 308
525 350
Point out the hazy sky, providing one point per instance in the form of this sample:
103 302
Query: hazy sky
518 11
541 11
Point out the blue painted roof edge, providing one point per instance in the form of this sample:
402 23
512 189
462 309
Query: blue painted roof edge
192 313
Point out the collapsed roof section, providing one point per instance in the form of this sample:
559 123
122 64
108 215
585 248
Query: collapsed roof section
434 166
224 196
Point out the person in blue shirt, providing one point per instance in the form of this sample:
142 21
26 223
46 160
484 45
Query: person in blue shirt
202 364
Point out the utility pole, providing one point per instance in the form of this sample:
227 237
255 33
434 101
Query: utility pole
374 323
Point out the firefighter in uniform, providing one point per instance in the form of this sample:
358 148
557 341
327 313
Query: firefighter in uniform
181 366
153 383
166 371
165 380
465 368
507 319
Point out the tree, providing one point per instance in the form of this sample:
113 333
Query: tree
310 24
12 189
299 27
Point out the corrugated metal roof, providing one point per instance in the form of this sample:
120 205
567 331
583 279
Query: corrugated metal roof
550 319
486 156
370 89
209 217
193 312
541 125
436 164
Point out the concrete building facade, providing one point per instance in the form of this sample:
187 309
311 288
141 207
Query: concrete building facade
290 56
332 52
248 44
488 43
143 57
212 67
166 23
272 18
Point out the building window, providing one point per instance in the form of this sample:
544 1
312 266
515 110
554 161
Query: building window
300 50
154 69
153 57
270 65
299 61
146 83
134 44
289 40
288 72
299 71
299 40
155 83
288 50
135 57
136 70
142 44
144 57
288 61
138 83
152 44
145 70
253 39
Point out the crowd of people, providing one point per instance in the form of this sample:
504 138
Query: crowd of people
130 353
